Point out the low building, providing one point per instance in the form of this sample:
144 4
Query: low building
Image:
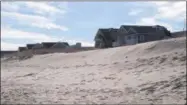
48 44
20 49
38 46
105 37
128 35
5 53
179 34
30 46
60 45
77 45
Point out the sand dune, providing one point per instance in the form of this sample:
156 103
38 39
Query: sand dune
147 73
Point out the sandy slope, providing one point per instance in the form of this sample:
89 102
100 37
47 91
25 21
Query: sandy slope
146 73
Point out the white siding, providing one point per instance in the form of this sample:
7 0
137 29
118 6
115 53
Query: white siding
131 39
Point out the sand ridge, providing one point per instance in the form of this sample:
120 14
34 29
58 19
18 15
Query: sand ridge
147 73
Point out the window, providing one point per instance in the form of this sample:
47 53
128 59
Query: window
141 37
129 37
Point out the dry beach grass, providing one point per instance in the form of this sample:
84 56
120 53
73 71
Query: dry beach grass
147 73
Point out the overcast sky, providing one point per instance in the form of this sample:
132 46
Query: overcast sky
32 22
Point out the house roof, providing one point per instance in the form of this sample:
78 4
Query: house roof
22 48
140 29
65 43
29 46
104 31
107 32
48 44
37 46
60 45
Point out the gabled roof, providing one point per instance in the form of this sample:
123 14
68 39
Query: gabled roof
140 29
107 32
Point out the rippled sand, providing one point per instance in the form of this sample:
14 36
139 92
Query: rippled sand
145 73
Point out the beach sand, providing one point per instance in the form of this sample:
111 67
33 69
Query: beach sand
147 73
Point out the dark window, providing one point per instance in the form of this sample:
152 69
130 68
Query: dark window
129 37
141 37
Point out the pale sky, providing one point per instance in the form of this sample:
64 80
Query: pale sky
35 22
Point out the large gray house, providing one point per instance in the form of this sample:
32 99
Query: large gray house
128 35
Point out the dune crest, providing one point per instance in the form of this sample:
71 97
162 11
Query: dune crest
147 73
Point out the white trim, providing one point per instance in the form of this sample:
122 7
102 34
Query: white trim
127 31
132 29
122 28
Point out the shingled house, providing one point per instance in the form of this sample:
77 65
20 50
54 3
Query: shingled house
128 35
60 45
30 46
48 44
37 46
77 45
20 49
105 37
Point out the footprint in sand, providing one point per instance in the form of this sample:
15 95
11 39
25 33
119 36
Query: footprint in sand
102 97
82 82
129 90
115 63
109 78
91 80
74 84
30 74
162 60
